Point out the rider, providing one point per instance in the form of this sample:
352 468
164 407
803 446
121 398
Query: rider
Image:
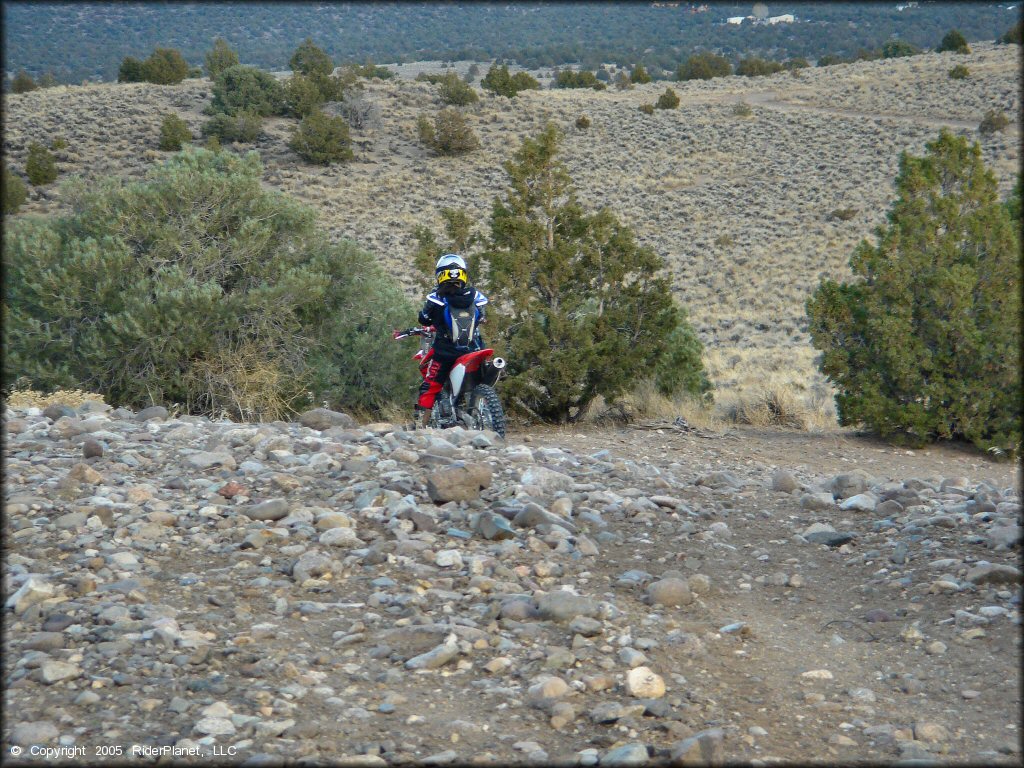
456 310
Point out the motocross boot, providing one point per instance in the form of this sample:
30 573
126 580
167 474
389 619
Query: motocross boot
420 418
425 414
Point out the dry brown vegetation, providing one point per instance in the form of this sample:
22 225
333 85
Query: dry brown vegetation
739 206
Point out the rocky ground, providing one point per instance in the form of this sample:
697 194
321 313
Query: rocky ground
749 210
326 591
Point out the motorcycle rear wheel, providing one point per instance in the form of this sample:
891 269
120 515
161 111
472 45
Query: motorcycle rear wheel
486 409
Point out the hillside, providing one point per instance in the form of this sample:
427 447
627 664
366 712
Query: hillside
741 207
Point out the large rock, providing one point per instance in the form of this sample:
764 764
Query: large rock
57 411
340 537
271 509
436 657
207 459
548 480
54 671
990 573
1004 536
534 515
458 483
546 691
494 527
310 565
862 502
718 480
784 482
83 473
669 592
814 501
153 412
39 732
323 418
850 484
643 683
703 748
634 753
564 606
34 590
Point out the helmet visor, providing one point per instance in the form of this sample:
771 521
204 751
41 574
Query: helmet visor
448 275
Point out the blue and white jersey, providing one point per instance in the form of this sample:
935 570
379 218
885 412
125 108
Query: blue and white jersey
457 319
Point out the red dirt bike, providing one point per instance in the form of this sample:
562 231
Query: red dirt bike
468 398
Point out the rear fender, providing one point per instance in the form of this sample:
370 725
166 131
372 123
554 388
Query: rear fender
473 360
467 364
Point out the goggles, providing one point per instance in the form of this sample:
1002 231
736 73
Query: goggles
452 274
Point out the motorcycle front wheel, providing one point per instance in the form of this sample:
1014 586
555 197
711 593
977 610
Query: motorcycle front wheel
486 409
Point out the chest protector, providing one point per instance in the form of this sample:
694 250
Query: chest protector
461 325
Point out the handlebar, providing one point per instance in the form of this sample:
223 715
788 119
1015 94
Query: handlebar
426 330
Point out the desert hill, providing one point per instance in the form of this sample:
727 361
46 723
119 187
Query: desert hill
750 208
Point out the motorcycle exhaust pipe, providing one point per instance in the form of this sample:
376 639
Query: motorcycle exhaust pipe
491 370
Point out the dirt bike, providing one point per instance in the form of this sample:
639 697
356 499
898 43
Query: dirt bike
468 398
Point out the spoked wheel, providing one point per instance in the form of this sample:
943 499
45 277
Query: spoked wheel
486 410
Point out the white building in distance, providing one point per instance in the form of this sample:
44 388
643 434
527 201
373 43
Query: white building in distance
735 20
786 18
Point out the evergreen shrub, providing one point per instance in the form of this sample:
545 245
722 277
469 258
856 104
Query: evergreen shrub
754 66
954 42
500 82
23 82
244 127
246 89
201 288
449 135
15 192
568 78
924 343
41 166
579 308
993 121
668 100
219 58
639 75
321 139
704 66
173 133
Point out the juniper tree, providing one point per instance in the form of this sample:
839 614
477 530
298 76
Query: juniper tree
132 70
41 166
499 81
301 96
14 191
311 60
165 66
246 89
219 58
173 133
639 75
579 306
23 82
924 343
704 66
955 42
322 139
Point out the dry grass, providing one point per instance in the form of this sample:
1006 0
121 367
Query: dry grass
244 385
738 207
31 398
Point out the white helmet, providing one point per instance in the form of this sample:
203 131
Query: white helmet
449 261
